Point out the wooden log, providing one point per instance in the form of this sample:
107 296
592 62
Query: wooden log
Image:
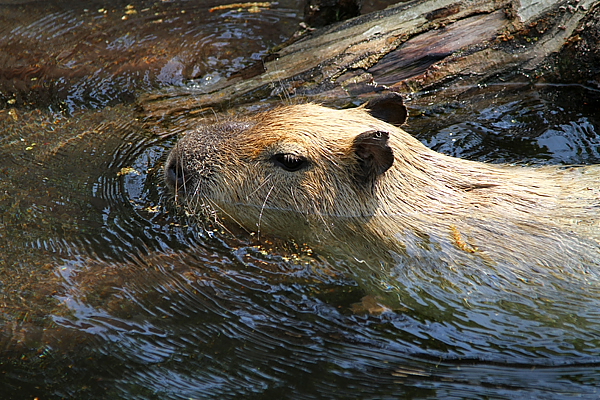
410 47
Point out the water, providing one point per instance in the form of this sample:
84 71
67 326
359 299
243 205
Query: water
514 123
73 54
109 291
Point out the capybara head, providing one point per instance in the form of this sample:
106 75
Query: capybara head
304 159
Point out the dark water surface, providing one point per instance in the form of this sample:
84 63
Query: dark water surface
74 54
106 291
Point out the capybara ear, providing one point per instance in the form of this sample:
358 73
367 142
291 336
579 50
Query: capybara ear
373 154
388 107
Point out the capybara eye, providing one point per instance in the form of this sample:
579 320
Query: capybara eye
289 162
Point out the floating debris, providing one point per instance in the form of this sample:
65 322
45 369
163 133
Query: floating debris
128 171
252 7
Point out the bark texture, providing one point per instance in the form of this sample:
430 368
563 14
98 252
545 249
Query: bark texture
408 48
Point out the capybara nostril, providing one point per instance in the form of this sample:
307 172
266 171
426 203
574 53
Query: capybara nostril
175 174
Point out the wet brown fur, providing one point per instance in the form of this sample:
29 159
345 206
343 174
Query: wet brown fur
426 209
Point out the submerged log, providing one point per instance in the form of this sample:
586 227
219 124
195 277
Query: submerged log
410 47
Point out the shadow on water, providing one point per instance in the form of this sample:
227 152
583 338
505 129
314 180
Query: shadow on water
108 292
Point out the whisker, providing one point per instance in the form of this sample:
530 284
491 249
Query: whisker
222 211
261 212
264 182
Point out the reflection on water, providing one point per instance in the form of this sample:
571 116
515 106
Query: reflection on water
74 54
108 292
515 124
573 142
